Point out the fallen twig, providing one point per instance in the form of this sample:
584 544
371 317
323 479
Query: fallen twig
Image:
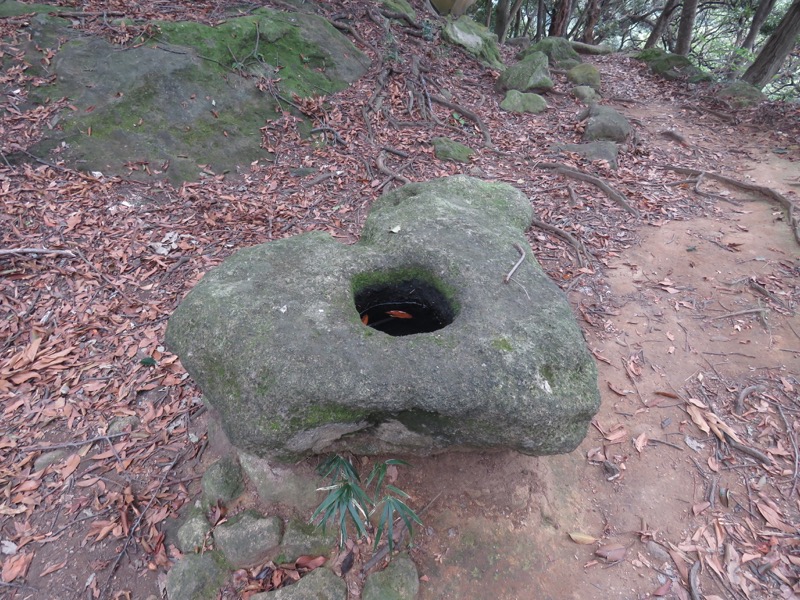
666 443
386 171
757 454
99 438
793 438
521 251
6 251
694 582
609 191
748 311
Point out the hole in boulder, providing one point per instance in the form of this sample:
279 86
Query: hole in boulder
404 307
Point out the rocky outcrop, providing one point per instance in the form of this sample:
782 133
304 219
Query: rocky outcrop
409 341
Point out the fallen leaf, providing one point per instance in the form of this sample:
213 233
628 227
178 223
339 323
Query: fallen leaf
640 442
663 589
309 562
53 569
70 465
700 507
399 314
615 390
697 417
16 566
582 538
612 552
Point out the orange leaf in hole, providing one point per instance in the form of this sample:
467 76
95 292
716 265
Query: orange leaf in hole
365 319
399 314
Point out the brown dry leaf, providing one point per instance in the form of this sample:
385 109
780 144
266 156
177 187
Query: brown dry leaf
582 538
640 442
617 434
612 552
663 589
309 562
16 566
787 386
697 403
697 417
617 391
53 569
773 519
700 507
713 464
70 465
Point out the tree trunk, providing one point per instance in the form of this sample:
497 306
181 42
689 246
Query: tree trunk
541 16
775 51
685 27
762 12
504 15
661 23
593 9
561 14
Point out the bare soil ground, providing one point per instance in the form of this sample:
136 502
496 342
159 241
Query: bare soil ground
686 310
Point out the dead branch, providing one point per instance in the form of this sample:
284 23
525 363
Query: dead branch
487 138
739 406
609 191
99 438
748 311
569 238
784 202
513 270
6 251
694 582
757 454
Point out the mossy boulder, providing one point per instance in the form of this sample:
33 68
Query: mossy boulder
585 94
558 50
248 538
520 102
447 149
223 481
475 39
400 6
530 74
320 584
197 577
741 94
408 341
398 581
672 66
187 101
605 124
585 74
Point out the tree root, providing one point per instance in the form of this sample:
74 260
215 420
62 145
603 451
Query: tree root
784 202
487 138
580 249
609 191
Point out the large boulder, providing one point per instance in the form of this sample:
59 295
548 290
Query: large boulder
672 66
411 340
605 124
187 100
529 74
475 39
559 52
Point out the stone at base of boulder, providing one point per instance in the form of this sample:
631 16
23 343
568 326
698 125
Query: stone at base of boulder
197 577
606 151
523 103
222 481
585 93
248 538
447 149
281 485
192 534
305 539
320 584
398 581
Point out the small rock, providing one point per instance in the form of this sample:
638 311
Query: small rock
48 458
197 577
248 538
120 424
523 103
447 149
320 584
223 481
585 74
192 534
303 538
398 581
280 485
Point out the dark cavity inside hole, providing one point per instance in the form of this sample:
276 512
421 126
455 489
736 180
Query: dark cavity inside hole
404 308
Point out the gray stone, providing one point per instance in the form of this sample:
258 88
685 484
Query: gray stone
166 102
192 534
605 123
197 577
475 39
398 581
585 74
277 340
672 66
584 93
223 481
559 52
46 459
523 103
400 6
306 539
606 151
279 484
120 424
529 74
248 538
320 584
593 49
447 149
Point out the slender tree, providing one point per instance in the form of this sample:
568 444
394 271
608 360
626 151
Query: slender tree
562 11
505 13
759 17
661 23
686 27
777 48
